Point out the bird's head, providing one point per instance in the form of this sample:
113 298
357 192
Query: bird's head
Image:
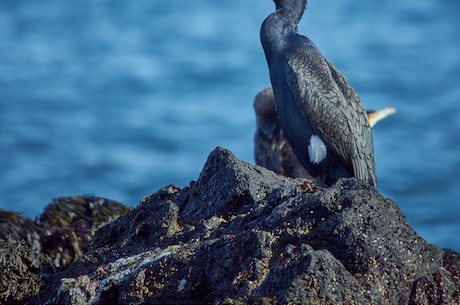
293 8
291 5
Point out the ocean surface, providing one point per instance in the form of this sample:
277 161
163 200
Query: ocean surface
119 98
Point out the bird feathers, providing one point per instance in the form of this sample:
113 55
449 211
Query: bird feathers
333 109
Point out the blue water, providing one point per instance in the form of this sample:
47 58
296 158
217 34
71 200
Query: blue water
119 98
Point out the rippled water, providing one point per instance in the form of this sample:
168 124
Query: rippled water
117 99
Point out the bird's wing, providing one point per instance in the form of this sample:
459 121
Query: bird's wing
360 126
334 110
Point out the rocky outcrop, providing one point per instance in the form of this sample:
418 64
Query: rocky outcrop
32 251
241 234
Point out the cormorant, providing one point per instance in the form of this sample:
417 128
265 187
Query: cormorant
272 150
321 115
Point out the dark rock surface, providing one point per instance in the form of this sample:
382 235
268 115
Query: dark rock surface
31 251
241 234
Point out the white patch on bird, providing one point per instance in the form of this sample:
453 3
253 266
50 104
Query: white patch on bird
317 150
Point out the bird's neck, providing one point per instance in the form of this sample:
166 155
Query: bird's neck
275 31
294 9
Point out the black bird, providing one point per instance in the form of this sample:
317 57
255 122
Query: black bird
321 115
272 150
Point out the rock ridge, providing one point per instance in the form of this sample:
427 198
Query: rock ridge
241 234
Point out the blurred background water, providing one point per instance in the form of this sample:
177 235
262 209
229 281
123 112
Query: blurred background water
119 98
